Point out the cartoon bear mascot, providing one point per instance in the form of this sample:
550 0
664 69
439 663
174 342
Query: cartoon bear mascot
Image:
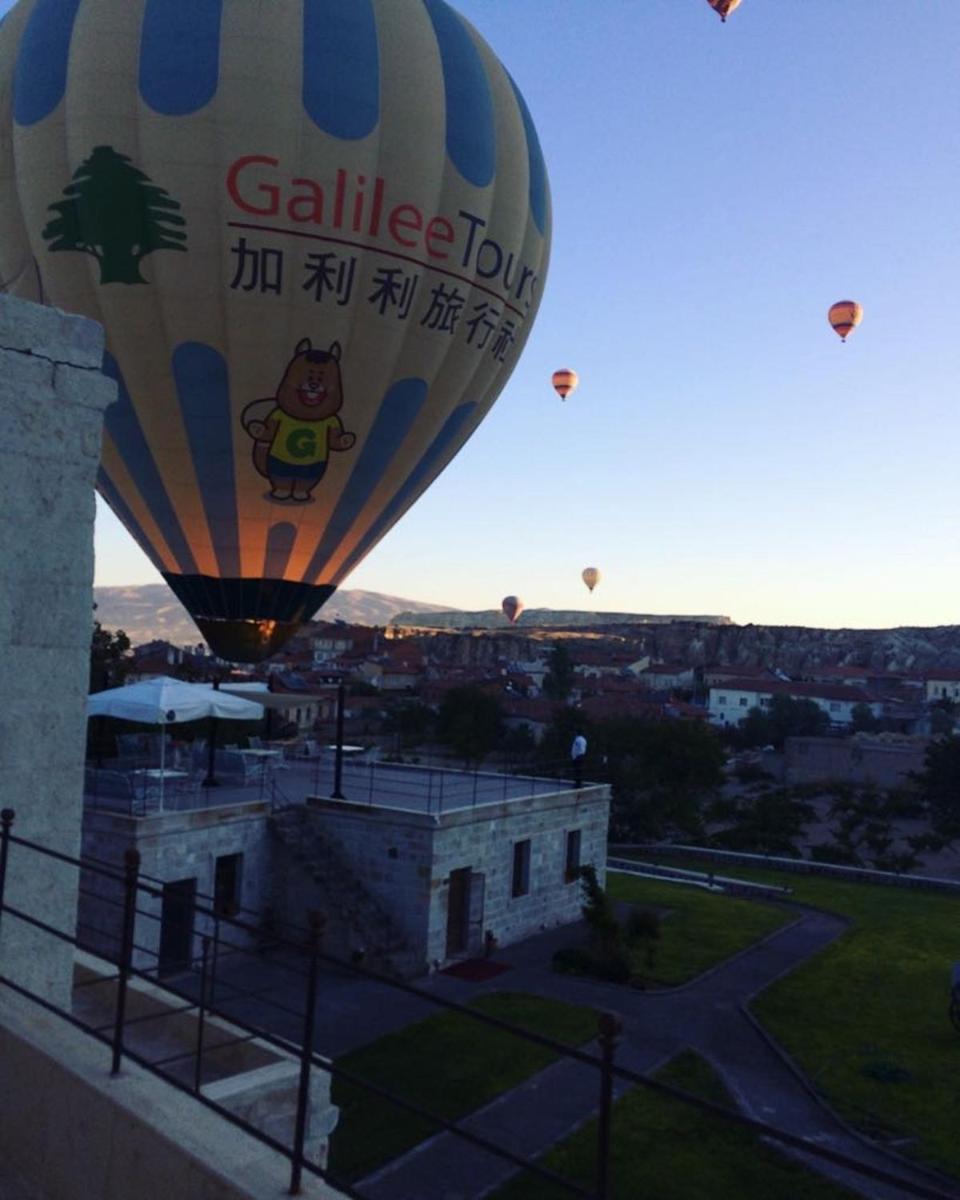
295 431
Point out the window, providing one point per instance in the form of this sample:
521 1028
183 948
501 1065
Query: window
764 701
834 705
521 868
226 884
743 701
572 867
721 699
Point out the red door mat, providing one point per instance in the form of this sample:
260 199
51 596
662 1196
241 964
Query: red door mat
476 970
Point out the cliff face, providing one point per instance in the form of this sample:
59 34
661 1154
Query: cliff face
794 649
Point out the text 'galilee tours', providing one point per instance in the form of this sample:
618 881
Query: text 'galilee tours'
355 204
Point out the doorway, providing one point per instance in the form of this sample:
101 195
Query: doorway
465 912
176 925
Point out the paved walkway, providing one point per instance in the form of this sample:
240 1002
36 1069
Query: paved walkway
705 1015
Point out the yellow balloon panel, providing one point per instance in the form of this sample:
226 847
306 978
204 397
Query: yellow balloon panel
316 232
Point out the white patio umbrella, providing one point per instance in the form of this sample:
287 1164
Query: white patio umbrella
166 701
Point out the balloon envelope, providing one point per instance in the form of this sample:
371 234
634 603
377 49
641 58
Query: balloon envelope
724 7
565 382
591 577
512 608
315 276
845 316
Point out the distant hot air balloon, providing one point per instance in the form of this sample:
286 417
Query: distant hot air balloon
565 382
845 316
315 278
591 577
724 7
512 608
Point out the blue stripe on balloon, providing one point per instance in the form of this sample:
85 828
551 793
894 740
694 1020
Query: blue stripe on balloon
40 76
539 190
341 66
180 54
109 492
123 425
280 539
471 128
429 465
203 387
398 410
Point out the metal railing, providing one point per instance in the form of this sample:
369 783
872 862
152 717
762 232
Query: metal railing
200 995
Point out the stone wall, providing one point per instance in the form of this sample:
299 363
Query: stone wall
483 839
52 400
405 859
172 846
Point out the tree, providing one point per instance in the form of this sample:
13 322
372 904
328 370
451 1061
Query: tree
116 214
939 784
470 722
784 717
411 721
862 719
560 676
110 660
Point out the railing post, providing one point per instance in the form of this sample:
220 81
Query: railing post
337 794
306 1054
131 862
216 957
6 820
201 1012
370 794
610 1027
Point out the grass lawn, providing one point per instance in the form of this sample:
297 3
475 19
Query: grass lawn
866 1019
450 1065
665 1149
703 928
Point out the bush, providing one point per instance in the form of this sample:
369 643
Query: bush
612 965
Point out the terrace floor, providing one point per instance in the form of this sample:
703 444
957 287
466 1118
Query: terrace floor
378 784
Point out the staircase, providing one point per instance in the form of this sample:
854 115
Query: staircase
316 873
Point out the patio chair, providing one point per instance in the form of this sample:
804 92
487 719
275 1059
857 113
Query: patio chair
308 749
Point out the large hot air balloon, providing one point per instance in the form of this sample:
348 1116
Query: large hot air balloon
512 608
724 7
845 316
591 577
565 382
316 232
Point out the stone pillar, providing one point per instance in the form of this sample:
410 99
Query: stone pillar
52 400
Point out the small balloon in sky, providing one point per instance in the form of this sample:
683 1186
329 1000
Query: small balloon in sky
565 382
512 608
315 278
591 577
845 316
724 7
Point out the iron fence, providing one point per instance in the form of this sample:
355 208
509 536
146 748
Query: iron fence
196 990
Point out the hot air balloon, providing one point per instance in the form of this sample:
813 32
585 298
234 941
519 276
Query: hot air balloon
512 608
845 316
315 278
565 382
724 7
591 577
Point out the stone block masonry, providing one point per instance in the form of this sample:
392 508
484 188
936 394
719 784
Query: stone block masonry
408 860
52 401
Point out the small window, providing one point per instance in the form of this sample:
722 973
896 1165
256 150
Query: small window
572 868
764 701
721 699
226 885
521 868
743 701
834 705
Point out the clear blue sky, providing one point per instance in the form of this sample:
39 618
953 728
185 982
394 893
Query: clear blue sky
715 188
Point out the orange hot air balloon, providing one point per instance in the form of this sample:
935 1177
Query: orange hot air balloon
845 316
724 7
591 577
565 382
512 608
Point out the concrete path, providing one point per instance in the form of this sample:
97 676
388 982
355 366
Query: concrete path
705 1015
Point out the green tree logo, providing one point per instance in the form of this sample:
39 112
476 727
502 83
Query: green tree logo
116 213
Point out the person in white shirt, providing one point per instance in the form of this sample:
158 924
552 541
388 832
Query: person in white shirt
578 752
